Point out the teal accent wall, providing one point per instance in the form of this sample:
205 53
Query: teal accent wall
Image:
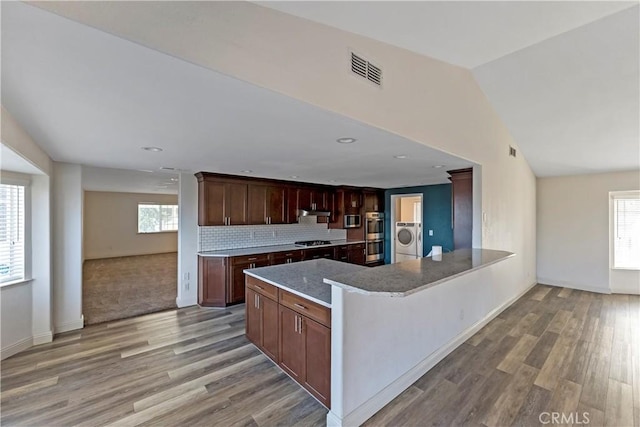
436 216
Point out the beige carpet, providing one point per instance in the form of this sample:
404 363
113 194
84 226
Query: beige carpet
117 288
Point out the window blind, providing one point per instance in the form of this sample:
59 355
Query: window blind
154 218
12 223
626 233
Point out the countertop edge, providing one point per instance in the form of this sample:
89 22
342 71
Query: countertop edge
419 288
265 250
293 291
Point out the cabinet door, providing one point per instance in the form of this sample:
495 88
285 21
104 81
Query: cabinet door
235 291
211 281
254 318
292 357
257 204
317 359
236 203
292 205
269 327
341 253
211 205
356 255
304 198
275 205
462 205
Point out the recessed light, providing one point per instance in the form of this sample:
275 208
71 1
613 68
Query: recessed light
174 179
346 140
332 180
400 156
145 170
167 168
247 171
152 149
438 166
294 176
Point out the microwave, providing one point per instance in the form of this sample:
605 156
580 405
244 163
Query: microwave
352 221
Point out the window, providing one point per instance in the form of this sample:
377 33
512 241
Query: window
154 218
626 230
12 224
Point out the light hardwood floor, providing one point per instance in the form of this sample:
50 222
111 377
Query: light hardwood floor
554 350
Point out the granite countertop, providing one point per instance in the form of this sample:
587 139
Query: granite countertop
306 278
268 249
405 278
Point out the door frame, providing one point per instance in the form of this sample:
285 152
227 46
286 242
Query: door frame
392 227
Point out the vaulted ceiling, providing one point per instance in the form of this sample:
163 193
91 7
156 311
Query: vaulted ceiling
563 76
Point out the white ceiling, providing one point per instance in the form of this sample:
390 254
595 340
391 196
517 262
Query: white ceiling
464 33
129 181
94 99
10 161
563 76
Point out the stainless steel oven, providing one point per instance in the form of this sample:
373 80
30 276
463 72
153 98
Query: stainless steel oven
374 226
375 250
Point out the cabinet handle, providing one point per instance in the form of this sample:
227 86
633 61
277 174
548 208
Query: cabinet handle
252 259
300 306
300 325
259 287
255 300
258 299
295 323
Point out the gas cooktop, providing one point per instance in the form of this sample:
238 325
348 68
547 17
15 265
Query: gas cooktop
312 243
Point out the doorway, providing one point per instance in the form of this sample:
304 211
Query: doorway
406 227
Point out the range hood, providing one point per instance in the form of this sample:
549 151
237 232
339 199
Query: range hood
311 212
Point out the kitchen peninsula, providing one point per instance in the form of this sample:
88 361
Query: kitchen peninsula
384 326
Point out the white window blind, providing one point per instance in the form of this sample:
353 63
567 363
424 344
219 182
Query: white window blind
12 223
154 218
626 232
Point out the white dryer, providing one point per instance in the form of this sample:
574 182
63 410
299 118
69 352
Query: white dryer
408 241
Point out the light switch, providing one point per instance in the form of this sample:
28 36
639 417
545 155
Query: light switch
430 232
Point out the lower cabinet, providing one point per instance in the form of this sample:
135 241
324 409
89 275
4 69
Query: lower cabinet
262 323
293 325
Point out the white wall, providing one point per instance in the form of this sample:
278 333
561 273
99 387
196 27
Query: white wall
67 247
111 225
187 241
573 230
25 309
375 357
407 209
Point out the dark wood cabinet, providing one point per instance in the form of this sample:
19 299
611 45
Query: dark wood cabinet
373 201
262 322
462 206
317 253
292 358
235 275
266 204
287 257
317 359
212 279
353 254
222 203
292 205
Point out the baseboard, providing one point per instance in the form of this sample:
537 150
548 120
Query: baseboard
563 284
69 326
634 291
42 337
12 349
186 302
386 395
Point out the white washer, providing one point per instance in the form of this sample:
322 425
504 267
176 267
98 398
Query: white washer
408 241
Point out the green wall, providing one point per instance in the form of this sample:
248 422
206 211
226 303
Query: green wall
436 216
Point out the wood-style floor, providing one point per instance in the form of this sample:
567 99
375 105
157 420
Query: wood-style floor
554 350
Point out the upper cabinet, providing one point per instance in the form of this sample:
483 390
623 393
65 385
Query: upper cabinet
221 203
267 204
462 206
373 201
234 200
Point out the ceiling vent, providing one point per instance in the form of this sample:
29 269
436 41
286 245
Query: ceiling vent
366 69
512 151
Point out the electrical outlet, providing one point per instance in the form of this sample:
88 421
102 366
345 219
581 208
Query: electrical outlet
186 286
274 233
430 232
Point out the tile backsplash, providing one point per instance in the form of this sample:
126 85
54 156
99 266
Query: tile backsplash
248 236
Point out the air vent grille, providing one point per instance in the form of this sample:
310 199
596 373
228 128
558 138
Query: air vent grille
366 69
512 151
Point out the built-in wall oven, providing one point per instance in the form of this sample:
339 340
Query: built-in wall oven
374 235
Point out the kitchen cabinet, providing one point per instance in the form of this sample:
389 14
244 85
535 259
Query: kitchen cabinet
222 203
287 257
373 201
462 206
317 253
262 317
292 205
353 254
235 294
347 202
292 358
266 204
212 281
